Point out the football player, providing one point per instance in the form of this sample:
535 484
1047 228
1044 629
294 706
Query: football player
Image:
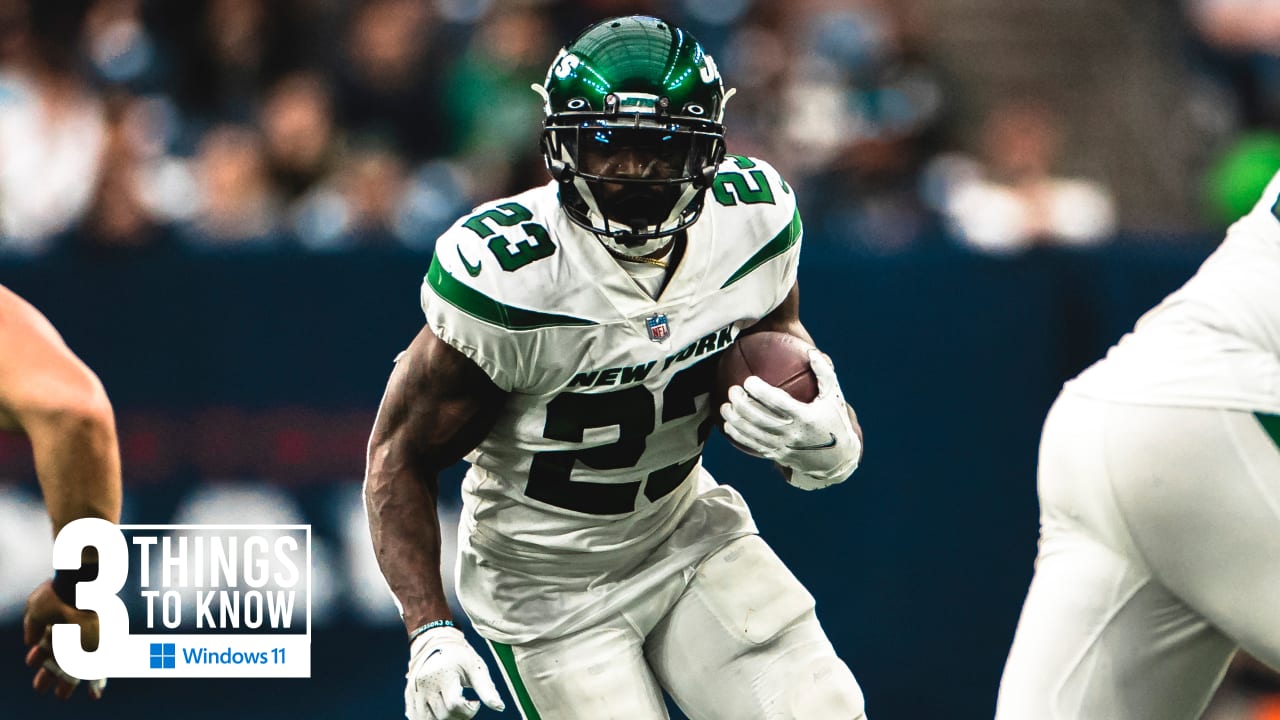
49 395
569 352
1160 503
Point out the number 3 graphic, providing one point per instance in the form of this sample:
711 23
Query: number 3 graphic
99 595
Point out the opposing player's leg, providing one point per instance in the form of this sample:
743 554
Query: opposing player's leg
1100 638
1206 515
598 674
1100 634
743 643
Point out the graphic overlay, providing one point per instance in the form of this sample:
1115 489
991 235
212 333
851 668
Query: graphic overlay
190 600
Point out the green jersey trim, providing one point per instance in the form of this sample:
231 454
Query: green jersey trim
480 306
1270 423
508 661
772 249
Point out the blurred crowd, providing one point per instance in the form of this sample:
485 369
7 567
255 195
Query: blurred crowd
134 126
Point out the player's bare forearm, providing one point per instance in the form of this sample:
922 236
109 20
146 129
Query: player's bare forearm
53 398
437 407
406 539
77 459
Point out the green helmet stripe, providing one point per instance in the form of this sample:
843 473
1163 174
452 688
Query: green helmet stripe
634 55
673 57
602 83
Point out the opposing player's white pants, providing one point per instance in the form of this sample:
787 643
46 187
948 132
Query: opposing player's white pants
740 642
1159 556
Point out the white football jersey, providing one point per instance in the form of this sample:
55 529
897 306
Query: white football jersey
595 461
1215 342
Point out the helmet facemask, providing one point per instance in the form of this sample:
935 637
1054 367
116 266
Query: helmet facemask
633 181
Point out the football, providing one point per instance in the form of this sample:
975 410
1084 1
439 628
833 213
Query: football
778 358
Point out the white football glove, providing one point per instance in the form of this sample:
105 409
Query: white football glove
441 664
815 440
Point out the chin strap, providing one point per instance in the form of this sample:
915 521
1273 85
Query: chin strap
615 246
648 247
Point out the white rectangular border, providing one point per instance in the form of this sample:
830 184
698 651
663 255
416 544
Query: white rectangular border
209 638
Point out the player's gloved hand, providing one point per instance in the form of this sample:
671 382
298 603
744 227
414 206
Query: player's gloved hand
815 440
44 609
441 664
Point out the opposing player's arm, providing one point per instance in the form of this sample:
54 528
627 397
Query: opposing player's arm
53 398
794 434
437 407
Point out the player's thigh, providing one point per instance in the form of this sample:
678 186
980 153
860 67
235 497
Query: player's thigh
1100 638
598 674
743 643
1201 493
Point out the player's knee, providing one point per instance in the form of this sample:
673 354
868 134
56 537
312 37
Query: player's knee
825 688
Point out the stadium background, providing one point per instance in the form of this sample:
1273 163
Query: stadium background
227 206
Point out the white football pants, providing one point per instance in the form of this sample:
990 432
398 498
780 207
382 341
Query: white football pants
740 641
1159 556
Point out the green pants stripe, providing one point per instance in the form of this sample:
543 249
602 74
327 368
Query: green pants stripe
1270 423
508 660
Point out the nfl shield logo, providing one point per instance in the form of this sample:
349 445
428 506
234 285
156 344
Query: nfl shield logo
658 328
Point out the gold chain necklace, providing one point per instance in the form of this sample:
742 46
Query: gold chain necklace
636 258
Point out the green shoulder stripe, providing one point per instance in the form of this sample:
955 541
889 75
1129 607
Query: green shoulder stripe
1270 423
479 305
772 249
